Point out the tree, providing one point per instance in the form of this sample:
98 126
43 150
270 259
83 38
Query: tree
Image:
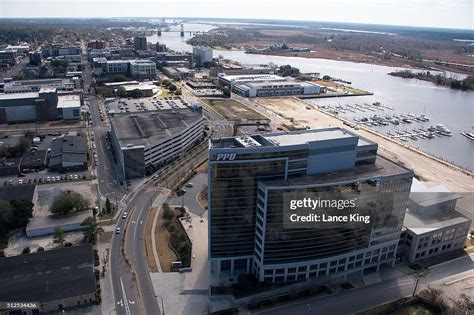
68 201
178 92
326 78
226 91
6 216
173 87
26 250
121 92
108 205
120 78
91 229
168 214
136 93
40 249
59 236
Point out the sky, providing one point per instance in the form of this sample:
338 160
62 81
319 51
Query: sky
427 13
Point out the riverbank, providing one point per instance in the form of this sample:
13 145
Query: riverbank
466 84
426 167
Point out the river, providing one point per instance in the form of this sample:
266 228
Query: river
454 109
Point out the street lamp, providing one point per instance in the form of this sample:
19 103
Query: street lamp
162 305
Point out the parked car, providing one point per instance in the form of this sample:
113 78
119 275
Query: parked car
117 230
190 185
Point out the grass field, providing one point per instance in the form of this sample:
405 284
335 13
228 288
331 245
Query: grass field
231 109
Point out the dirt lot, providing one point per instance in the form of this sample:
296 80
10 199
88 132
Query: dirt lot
231 109
426 168
47 193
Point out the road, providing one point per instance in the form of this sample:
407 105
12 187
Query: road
350 301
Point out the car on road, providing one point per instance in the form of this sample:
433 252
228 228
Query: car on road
189 185
117 230
58 178
124 215
20 181
155 177
76 177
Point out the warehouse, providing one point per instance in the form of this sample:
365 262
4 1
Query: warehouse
56 280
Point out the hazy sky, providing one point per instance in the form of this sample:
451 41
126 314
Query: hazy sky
431 13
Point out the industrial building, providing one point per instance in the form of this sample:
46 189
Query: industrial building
68 153
46 225
151 132
432 226
57 280
252 178
8 85
45 105
262 85
202 55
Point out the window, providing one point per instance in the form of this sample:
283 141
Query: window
291 278
340 269
332 270
313 274
292 270
280 271
323 265
321 273
268 272
350 266
301 276
333 263
302 269
342 261
313 267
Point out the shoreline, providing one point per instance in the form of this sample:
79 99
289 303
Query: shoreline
432 157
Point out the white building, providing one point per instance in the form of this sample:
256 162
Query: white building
202 54
432 226
69 107
117 66
142 68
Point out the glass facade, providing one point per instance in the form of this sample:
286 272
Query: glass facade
233 198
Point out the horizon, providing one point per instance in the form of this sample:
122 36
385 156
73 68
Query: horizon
442 14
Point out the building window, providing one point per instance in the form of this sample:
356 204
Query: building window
333 263
302 269
323 265
292 270
313 274
268 272
280 271
340 269
332 270
225 265
302 276
313 267
291 278
279 279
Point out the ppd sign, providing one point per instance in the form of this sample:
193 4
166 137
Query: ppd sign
226 156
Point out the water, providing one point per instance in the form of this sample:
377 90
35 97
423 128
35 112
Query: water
454 109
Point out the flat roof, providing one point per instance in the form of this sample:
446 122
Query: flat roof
423 223
50 275
253 77
49 221
144 104
292 138
69 101
19 192
148 128
15 96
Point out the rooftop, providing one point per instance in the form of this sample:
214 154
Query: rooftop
144 104
15 96
289 138
69 101
20 192
144 129
253 77
49 221
424 223
48 276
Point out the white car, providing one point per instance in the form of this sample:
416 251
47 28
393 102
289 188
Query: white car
190 185
76 177
124 215
117 230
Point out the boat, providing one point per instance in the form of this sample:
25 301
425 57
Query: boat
443 130
432 128
469 135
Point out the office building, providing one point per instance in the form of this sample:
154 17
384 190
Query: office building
149 132
181 73
117 66
139 43
159 47
58 279
35 57
20 49
142 68
8 57
432 226
250 178
69 107
261 85
96 44
202 55
57 50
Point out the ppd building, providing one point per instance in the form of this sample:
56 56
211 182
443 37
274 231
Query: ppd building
254 179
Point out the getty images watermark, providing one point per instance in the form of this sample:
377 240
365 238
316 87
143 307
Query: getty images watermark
335 209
